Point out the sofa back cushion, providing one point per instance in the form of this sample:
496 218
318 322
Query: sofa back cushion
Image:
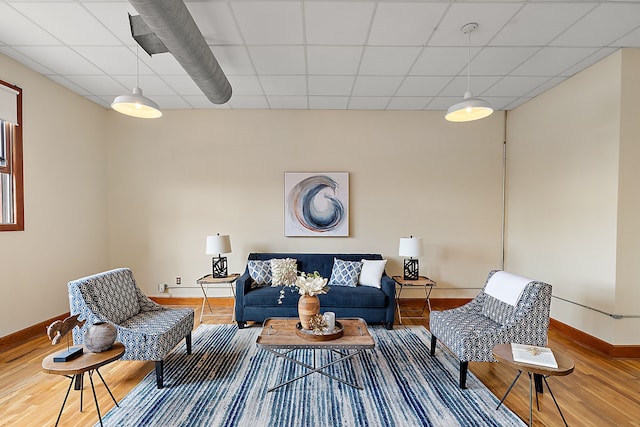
110 295
308 263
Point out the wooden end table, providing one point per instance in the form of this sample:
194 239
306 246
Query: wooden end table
503 353
421 282
75 369
207 280
279 337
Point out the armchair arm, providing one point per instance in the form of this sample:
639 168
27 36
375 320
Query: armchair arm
243 285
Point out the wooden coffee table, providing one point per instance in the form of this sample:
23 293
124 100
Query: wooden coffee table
75 369
279 337
503 353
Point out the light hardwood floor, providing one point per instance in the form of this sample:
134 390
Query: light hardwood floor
600 392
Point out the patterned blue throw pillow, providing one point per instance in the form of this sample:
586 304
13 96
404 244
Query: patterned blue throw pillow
260 272
345 273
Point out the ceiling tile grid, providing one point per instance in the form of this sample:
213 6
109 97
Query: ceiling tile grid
327 54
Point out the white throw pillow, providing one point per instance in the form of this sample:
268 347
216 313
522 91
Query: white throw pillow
284 271
371 273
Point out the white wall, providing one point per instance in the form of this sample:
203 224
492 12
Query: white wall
564 149
65 206
175 180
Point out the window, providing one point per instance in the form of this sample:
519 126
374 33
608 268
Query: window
11 183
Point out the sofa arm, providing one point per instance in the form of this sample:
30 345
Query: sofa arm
388 286
243 285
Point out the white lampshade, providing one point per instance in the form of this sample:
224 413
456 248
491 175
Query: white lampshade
136 105
218 244
411 247
471 108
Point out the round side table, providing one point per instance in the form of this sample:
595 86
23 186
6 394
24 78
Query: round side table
503 353
75 369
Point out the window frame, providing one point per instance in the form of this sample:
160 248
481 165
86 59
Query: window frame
14 167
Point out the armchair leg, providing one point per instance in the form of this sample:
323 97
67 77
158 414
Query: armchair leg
240 324
187 341
433 344
159 373
464 367
388 325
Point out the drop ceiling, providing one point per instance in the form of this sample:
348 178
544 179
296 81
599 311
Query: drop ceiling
321 54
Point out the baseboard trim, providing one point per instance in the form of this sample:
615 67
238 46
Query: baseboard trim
614 351
596 344
27 334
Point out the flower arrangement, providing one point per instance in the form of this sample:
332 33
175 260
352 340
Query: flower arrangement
308 284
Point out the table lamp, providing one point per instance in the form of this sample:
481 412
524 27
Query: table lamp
218 245
411 247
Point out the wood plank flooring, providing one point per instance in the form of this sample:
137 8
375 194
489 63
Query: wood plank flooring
600 392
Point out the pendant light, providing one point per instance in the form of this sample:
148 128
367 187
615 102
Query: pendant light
136 104
471 108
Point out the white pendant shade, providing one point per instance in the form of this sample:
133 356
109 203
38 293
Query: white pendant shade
471 108
136 105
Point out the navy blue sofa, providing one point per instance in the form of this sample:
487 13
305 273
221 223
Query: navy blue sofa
371 304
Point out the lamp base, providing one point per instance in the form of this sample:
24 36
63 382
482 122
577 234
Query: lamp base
219 267
411 269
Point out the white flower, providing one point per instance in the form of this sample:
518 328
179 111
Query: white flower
311 284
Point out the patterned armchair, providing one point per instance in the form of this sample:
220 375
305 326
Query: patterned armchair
509 309
147 330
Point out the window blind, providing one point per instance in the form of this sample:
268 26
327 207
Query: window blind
8 104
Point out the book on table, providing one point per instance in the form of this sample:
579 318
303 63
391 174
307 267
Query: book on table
533 355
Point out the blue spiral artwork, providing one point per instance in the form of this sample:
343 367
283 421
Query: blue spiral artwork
317 204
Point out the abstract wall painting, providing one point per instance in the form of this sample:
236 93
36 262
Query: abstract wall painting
316 204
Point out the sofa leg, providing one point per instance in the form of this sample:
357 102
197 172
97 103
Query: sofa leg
433 344
159 373
187 340
388 325
464 367
240 325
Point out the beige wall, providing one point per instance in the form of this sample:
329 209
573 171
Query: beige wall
567 151
192 173
65 205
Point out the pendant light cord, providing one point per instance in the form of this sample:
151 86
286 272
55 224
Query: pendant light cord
468 60
137 67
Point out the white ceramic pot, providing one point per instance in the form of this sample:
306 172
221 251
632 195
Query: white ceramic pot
100 337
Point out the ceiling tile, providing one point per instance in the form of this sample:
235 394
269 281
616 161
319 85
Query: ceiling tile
183 85
284 85
545 86
215 22
629 40
162 64
441 61
115 17
368 102
113 59
19 30
514 86
490 17
171 102
536 24
500 102
152 86
233 59
245 85
278 59
288 102
587 62
408 103
499 60
337 23
592 30
26 60
333 59
100 85
69 22
269 22
330 85
405 24
376 85
69 85
395 61
551 61
422 85
328 102
442 103
60 59
478 85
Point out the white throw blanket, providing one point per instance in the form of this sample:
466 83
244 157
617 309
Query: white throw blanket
506 287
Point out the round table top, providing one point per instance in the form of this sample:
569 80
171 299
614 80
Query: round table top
503 353
86 362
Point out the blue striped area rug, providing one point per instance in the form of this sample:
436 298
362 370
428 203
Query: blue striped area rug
225 381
